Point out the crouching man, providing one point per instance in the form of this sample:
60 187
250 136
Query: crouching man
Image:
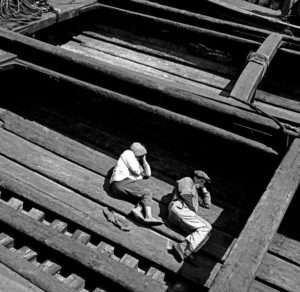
183 213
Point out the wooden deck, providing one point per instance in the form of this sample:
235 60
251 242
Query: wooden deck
58 147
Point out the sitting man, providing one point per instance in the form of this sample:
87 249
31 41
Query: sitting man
128 180
183 213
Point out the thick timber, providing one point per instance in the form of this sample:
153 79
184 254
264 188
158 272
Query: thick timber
30 272
179 118
252 244
121 275
256 68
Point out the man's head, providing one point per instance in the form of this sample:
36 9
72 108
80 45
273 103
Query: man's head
200 178
138 149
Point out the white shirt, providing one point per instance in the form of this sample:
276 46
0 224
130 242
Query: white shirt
127 167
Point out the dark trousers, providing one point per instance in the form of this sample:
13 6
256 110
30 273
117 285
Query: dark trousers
133 189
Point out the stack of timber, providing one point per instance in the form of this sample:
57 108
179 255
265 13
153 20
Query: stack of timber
202 74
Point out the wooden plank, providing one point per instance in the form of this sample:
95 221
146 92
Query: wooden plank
241 265
90 51
30 272
253 73
279 273
100 163
177 69
89 215
103 265
7 284
177 94
16 279
258 286
286 248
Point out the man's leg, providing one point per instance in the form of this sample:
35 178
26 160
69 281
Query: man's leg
189 221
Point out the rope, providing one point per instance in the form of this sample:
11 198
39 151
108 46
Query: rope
23 11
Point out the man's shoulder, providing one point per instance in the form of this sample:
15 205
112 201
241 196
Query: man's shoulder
185 180
127 154
184 184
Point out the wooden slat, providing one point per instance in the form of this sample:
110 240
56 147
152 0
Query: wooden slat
90 50
7 284
121 275
286 248
279 273
176 69
30 272
6 273
90 215
250 78
261 287
253 242
121 38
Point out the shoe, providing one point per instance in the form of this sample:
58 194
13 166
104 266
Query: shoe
178 249
153 221
137 214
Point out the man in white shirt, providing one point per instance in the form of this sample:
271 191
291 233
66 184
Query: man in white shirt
183 213
128 179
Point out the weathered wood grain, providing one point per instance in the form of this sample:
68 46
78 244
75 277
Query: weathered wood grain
248 252
30 272
253 73
121 275
280 273
286 248
6 273
261 287
99 53
189 74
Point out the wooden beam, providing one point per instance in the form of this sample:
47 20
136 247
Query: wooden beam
279 273
173 116
256 68
30 272
102 264
247 254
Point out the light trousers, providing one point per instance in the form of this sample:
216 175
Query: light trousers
190 222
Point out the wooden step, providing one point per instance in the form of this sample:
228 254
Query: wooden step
50 267
81 236
59 226
36 214
75 282
15 203
27 253
129 261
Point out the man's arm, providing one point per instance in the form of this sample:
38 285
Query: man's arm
146 166
132 163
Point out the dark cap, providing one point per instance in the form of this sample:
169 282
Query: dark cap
201 174
138 149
